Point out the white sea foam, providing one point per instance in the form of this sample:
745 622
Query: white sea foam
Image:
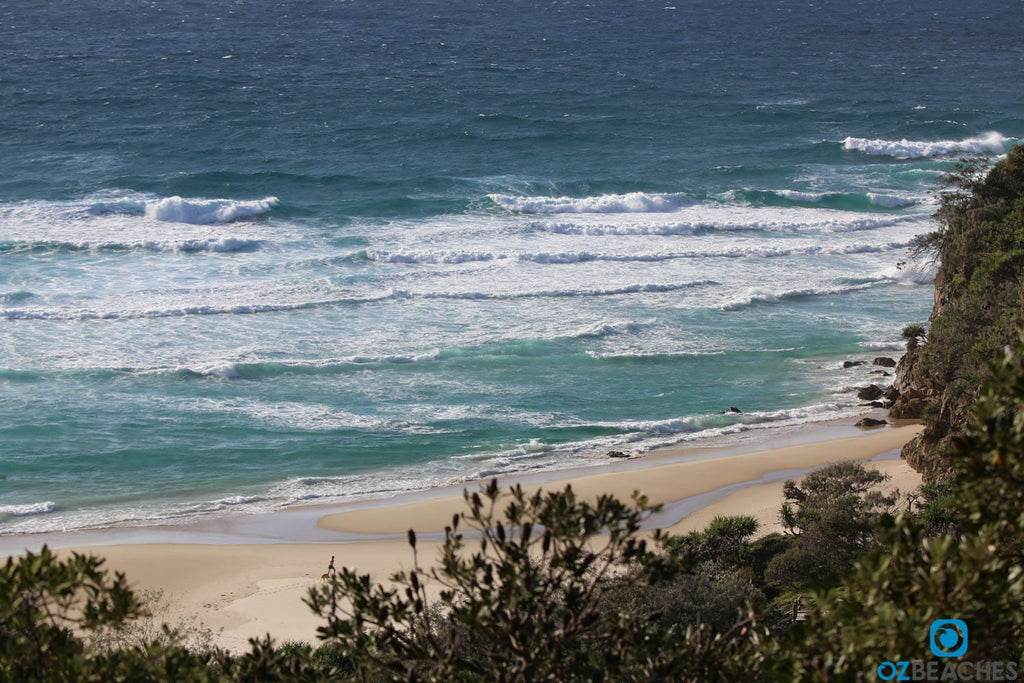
302 416
209 244
226 370
119 221
193 211
639 288
432 256
636 354
988 143
910 274
174 307
605 330
799 196
720 217
760 295
648 435
27 509
891 201
884 345
570 257
633 202
235 501
235 370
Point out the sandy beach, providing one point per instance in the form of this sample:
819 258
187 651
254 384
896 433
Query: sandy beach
250 588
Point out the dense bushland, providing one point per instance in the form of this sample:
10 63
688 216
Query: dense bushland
979 303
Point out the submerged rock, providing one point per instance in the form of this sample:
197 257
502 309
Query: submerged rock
870 422
853 363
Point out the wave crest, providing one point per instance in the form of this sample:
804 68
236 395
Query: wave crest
27 509
213 245
758 295
633 202
610 291
180 210
989 143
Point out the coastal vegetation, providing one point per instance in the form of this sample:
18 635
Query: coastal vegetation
979 292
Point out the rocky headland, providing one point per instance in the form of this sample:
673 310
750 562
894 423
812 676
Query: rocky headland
979 301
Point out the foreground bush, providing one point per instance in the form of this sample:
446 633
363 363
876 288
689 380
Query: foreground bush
884 608
530 600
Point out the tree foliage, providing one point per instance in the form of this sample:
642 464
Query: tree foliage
979 285
884 607
527 599
44 601
833 514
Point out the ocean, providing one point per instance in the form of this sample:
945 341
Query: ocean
262 253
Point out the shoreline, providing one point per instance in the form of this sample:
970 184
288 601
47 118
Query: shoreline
679 481
232 520
300 523
250 588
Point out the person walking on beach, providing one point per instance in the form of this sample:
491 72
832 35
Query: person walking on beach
331 571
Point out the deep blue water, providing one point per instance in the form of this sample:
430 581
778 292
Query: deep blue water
261 253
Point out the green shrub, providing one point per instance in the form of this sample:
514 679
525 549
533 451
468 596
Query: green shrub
832 514
884 608
545 596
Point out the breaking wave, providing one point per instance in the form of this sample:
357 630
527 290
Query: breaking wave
212 244
180 210
178 311
566 257
845 201
633 202
27 509
989 143
888 201
611 291
722 218
758 295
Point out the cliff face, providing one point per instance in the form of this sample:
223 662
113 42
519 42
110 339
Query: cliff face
979 307
927 453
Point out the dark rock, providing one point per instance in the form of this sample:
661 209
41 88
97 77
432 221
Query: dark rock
910 404
870 422
853 363
920 454
732 409
908 409
883 373
891 394
871 392
874 404
617 454
884 362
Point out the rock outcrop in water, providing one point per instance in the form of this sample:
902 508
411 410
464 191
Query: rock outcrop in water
979 306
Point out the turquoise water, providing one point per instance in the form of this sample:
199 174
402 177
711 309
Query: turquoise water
256 254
